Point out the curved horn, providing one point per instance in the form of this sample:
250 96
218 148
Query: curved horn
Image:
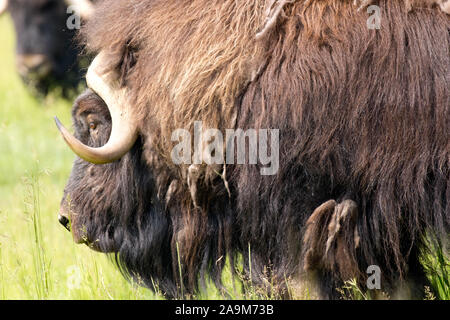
3 6
124 128
84 8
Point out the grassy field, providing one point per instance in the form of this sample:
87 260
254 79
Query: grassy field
38 259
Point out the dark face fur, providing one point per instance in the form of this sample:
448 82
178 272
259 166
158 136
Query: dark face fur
45 53
97 196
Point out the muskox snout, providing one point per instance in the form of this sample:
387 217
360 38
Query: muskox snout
34 66
64 221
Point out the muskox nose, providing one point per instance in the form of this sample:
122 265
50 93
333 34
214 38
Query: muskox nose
35 66
64 221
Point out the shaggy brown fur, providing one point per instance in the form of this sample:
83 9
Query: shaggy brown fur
363 109
363 115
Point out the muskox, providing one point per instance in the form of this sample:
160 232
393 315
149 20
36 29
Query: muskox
46 53
363 117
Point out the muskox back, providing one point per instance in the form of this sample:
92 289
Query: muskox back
365 116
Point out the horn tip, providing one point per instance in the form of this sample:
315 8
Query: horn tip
58 123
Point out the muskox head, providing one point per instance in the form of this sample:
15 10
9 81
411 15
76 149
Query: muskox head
100 138
113 207
97 196
46 55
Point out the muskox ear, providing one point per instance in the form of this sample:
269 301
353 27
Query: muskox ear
84 8
3 6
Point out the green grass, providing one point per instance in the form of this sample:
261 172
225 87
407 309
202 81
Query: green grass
38 259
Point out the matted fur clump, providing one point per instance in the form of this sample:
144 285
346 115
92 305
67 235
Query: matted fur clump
363 117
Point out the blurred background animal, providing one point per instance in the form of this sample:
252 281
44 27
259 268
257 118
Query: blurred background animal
47 56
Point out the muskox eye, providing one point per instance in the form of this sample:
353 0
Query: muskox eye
92 125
